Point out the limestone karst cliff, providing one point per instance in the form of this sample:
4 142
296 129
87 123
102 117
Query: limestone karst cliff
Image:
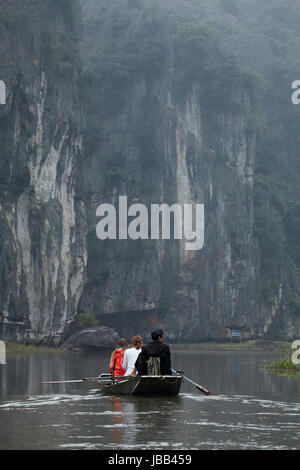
173 117
43 243
169 102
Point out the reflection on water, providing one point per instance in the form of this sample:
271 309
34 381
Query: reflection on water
253 409
117 419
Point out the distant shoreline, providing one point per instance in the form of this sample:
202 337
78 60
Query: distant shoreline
247 345
17 348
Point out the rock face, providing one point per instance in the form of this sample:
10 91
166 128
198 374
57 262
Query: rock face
159 145
168 147
155 145
193 294
93 338
42 246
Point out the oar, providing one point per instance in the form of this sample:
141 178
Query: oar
87 379
200 387
63 382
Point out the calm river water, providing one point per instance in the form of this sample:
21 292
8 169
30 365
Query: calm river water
253 409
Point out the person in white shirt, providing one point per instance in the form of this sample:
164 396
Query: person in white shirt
131 355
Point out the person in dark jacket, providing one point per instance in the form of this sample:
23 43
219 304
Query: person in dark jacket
155 349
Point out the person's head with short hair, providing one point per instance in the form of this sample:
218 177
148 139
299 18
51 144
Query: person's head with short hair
137 341
123 344
157 335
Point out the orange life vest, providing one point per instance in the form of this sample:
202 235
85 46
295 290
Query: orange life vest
117 364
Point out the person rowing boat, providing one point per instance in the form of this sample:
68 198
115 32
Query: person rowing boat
155 357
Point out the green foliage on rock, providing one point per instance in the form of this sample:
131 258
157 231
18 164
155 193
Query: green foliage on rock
128 47
85 320
199 60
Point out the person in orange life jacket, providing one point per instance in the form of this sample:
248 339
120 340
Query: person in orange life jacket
154 349
116 359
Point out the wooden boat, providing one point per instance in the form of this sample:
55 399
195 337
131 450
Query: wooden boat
141 385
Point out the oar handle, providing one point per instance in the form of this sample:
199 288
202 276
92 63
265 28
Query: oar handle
53 382
87 379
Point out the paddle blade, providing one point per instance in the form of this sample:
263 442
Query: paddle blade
205 390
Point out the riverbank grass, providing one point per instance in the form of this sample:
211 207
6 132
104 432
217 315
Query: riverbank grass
283 366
